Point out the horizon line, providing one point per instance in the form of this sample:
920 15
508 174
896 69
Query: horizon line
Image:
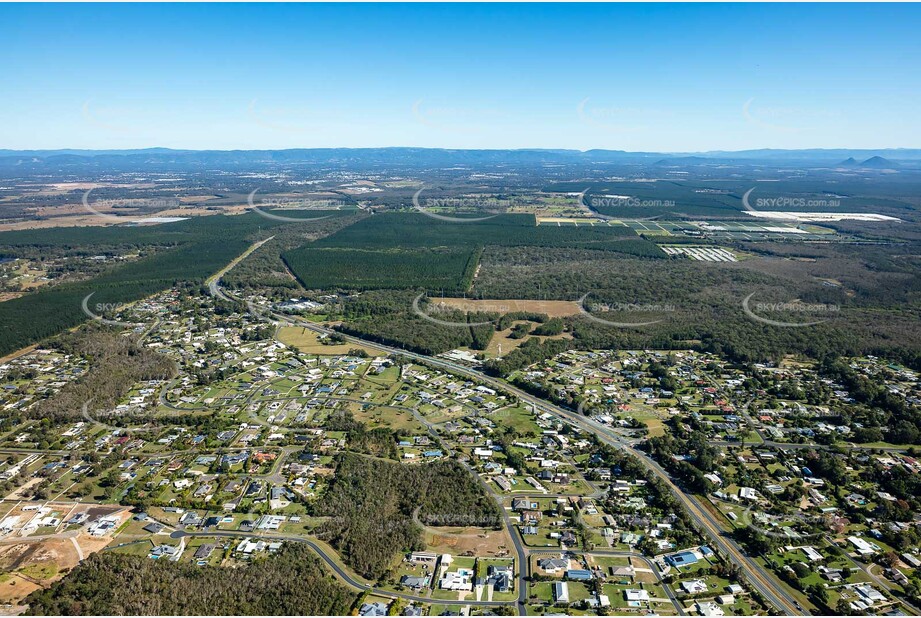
509 149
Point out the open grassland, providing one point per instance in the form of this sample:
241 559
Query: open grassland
307 342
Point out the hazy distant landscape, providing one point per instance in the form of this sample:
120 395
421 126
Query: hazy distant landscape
446 309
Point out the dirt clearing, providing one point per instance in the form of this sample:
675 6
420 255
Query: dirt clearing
552 308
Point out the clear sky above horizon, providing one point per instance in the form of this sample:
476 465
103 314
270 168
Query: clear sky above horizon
633 77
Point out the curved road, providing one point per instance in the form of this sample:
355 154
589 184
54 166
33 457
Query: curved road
340 572
759 577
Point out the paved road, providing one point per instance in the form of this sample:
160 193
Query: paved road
763 581
506 518
879 581
342 573
623 554
214 281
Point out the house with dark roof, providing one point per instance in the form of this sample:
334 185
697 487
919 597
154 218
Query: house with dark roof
415 582
204 552
153 527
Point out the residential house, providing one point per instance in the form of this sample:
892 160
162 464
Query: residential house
560 592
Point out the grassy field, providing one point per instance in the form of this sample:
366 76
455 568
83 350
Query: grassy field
392 418
307 341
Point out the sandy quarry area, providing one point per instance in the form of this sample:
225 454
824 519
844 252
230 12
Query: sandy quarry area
76 216
553 308
28 563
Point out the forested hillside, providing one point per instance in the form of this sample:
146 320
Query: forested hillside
371 503
291 583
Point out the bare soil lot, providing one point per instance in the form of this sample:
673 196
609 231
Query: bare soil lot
459 541
553 308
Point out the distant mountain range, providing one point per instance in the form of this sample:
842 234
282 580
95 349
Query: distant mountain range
435 157
879 163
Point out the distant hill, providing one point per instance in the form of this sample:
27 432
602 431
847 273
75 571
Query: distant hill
849 162
690 160
879 163
33 161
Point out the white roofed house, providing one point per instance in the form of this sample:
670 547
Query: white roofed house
863 547
636 595
553 565
248 547
709 608
461 579
560 592
869 594
169 552
695 586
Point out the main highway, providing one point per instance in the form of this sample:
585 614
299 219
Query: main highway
758 576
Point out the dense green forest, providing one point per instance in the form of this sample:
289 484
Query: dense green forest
371 505
189 250
410 250
448 269
877 301
264 269
695 305
386 316
379 442
293 582
701 197
416 230
878 413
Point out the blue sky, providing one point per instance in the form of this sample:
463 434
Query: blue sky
685 77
